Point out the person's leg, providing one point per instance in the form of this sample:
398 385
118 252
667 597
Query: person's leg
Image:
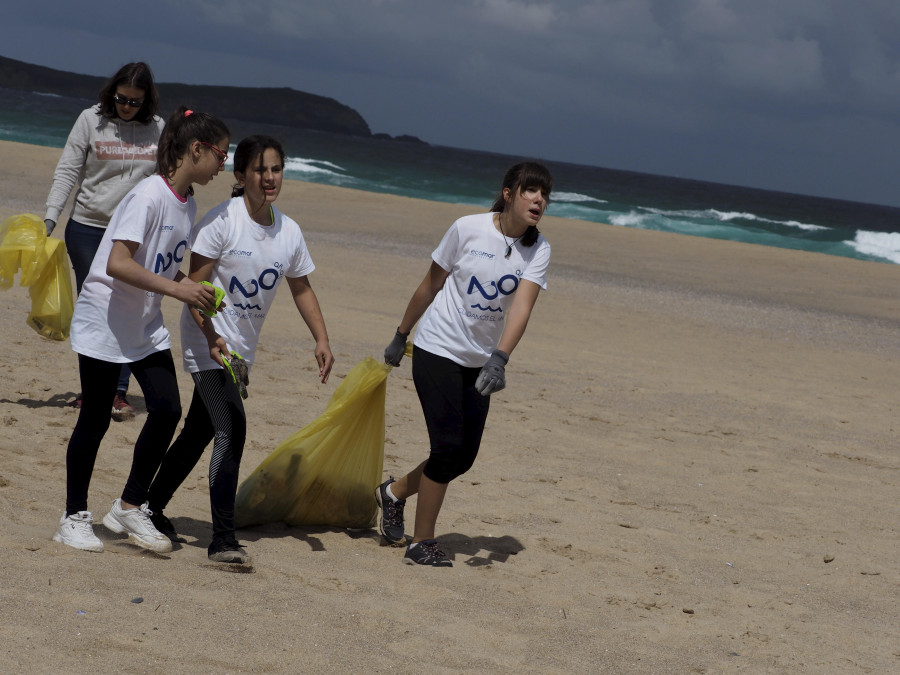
408 485
428 507
122 408
455 422
82 242
98 384
130 513
226 410
475 408
156 376
183 454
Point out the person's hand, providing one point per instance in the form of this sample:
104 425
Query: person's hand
493 374
394 352
218 348
49 224
201 296
220 294
325 360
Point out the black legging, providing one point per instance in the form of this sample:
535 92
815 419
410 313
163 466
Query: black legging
156 376
455 413
216 414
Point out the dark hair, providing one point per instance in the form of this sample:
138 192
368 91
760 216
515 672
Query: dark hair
519 177
139 76
249 149
182 128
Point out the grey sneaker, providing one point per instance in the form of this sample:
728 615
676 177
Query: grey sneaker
426 553
77 531
391 522
137 523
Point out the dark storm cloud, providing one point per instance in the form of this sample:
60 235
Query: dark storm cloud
795 95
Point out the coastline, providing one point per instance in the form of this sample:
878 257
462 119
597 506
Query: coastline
693 468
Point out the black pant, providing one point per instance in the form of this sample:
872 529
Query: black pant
455 413
156 376
216 414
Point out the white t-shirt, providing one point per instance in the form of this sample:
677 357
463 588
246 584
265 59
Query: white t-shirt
252 261
466 318
118 322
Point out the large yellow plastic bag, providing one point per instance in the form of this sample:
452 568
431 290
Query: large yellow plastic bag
45 272
326 473
23 241
51 295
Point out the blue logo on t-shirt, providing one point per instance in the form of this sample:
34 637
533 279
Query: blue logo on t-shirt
506 285
267 280
165 260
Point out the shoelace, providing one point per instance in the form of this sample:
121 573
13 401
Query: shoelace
144 513
433 551
83 526
393 511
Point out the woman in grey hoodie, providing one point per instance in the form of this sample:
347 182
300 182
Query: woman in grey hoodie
111 148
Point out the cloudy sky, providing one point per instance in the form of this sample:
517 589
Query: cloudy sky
793 95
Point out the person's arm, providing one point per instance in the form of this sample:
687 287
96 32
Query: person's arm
201 270
493 373
308 305
123 267
517 317
68 171
423 296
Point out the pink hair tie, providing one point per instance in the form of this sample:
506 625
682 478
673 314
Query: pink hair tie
188 113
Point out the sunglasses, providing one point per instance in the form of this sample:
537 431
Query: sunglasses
223 156
133 102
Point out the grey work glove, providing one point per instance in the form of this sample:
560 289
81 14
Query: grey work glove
396 349
493 374
50 224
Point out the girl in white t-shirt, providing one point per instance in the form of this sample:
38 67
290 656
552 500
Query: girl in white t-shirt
118 320
474 302
247 247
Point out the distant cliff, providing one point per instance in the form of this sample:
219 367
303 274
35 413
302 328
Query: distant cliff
285 107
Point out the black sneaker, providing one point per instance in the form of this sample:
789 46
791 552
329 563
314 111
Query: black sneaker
391 522
164 525
426 553
227 551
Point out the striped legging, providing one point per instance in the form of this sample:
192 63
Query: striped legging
216 414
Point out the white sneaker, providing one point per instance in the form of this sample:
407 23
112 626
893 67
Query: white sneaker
77 531
137 523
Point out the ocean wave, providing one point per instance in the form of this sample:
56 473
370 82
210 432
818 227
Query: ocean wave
302 165
730 216
884 245
575 197
631 219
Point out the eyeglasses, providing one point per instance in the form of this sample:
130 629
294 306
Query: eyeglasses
124 100
223 156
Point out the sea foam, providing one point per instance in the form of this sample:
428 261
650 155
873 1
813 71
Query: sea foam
885 245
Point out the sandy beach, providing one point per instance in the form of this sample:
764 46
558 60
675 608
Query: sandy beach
693 469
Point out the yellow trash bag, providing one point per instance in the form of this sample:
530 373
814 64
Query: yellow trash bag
45 272
326 473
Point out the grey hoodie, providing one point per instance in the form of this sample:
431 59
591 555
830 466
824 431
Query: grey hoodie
108 157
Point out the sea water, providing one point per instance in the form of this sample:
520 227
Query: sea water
596 194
